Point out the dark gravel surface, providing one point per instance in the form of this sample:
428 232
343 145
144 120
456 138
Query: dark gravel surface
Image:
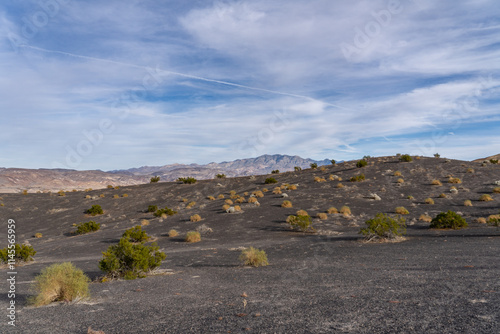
437 281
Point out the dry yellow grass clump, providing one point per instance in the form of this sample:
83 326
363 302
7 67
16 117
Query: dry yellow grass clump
401 181
481 220
195 218
102 196
190 205
252 200
496 190
467 202
258 194
232 192
173 233
114 196
292 187
144 222
237 208
319 179
425 218
38 235
397 173
225 207
429 201
340 185
229 202
485 198
322 216
184 200
401 210
193 236
125 195
302 213
277 191
240 200
254 257
286 204
436 183
470 170
211 198
333 210
442 195
221 196
265 190
345 210
454 180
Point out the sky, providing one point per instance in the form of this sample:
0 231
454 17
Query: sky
118 84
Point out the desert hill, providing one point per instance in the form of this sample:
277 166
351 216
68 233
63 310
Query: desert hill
494 157
322 281
15 180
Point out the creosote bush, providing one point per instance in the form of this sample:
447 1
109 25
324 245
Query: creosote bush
276 171
195 218
187 180
136 234
154 179
405 158
448 219
383 227
220 176
152 208
286 204
302 223
357 178
17 253
297 168
129 260
254 257
193 236
401 210
166 211
270 180
333 161
485 198
60 282
95 210
361 163
313 165
87 227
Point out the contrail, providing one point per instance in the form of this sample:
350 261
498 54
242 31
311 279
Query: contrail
182 75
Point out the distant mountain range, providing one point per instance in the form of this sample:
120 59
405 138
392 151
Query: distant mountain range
14 180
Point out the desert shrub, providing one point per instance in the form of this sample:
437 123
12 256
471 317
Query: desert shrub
291 187
211 198
190 205
221 196
339 185
467 202
195 218
410 197
322 216
357 178
17 253
173 233
442 195
319 179
384 227
286 204
302 223
485 198
470 170
401 210
322 168
116 188
88 197
60 282
144 222
437 155
454 180
136 234
277 190
38 235
184 200
397 173
252 200
152 208
361 163
187 180
102 195
220 176
226 207
25 192
345 210
95 210
494 161
333 162
270 180
405 158
400 181
237 208
448 219
154 179
436 183
254 257
429 201
166 211
258 194
229 202
87 227
333 210
109 186
302 213
313 165
116 196
276 171
297 168
193 236
494 220
240 200
496 190
129 260
61 193
425 218
481 220
125 195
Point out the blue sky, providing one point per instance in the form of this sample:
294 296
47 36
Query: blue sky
119 84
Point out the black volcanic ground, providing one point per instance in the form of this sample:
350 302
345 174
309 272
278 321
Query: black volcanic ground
438 281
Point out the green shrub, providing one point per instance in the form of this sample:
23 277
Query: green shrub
383 226
405 158
314 165
358 178
494 161
188 180
437 155
17 253
152 208
494 220
130 260
333 162
270 180
154 179
361 163
448 219
300 222
136 234
95 210
254 257
167 211
297 168
87 227
220 176
276 171
60 282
